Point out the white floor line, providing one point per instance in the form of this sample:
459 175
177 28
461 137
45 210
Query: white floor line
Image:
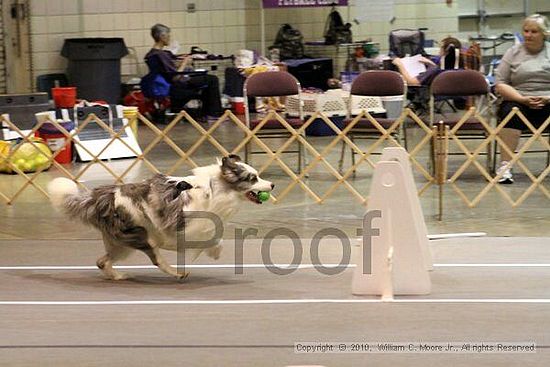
190 266
442 236
276 301
481 265
253 266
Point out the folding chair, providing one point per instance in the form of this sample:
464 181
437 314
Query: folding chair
163 95
419 95
405 42
525 134
374 83
461 83
410 42
273 84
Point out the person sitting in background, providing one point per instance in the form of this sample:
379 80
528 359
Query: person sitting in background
170 67
523 81
449 54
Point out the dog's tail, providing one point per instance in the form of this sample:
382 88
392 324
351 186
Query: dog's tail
60 189
66 198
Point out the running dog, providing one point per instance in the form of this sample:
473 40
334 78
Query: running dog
161 212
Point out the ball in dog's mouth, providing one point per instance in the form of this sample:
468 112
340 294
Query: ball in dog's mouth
253 196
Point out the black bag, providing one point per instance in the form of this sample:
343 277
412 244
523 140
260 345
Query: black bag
336 31
289 41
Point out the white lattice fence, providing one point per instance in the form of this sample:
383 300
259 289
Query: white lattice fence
473 155
208 136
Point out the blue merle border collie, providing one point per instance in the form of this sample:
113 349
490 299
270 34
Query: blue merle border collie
151 215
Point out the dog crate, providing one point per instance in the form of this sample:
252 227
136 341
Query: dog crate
333 103
372 105
329 103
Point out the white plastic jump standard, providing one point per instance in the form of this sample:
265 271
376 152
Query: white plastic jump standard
400 155
393 257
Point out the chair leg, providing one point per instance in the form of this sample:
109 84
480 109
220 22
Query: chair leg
247 153
405 144
494 160
431 167
302 158
300 163
489 162
352 155
342 154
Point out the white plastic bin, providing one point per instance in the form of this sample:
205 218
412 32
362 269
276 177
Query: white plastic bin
393 106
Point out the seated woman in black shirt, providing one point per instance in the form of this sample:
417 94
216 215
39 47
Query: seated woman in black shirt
169 66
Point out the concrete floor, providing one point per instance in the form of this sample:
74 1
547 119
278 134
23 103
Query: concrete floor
218 317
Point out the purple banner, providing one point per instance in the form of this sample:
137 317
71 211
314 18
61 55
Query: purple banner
302 3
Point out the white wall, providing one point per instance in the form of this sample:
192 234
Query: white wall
440 19
495 24
217 26
220 26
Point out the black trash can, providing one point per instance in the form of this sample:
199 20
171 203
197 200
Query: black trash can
94 67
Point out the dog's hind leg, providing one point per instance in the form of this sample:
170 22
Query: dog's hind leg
115 252
214 252
133 238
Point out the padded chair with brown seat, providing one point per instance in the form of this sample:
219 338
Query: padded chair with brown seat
374 83
273 84
461 83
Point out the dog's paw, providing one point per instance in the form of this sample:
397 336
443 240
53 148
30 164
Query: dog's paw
182 275
118 276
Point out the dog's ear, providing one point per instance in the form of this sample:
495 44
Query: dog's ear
182 186
233 157
230 160
159 177
230 169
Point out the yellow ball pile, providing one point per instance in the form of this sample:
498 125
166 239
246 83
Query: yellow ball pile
26 156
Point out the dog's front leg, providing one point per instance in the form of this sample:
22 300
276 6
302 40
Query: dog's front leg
157 259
